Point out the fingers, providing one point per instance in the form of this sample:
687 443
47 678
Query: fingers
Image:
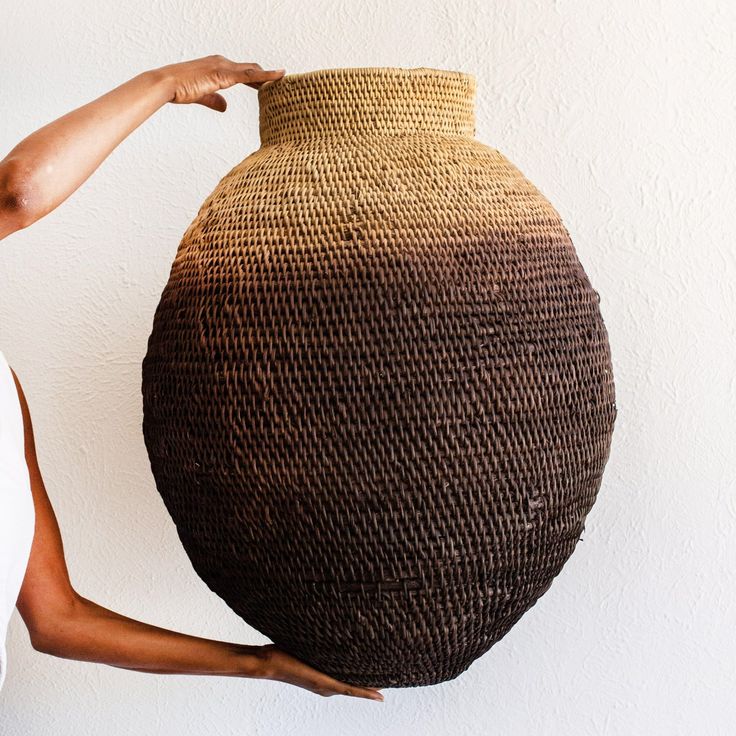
330 686
256 77
251 74
282 666
201 79
365 692
214 101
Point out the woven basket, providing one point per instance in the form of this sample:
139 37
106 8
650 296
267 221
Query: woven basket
378 394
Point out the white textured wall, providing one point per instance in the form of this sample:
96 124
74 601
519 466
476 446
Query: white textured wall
623 114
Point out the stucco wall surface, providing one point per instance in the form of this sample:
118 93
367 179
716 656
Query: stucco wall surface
623 114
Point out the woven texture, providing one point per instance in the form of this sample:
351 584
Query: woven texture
378 397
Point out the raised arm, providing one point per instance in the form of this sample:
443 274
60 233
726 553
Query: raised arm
50 164
63 623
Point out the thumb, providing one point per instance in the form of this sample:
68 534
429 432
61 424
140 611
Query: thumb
213 101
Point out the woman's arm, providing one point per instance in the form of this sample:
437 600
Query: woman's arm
63 623
50 164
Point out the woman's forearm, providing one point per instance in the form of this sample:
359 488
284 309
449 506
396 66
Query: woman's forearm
91 633
83 630
50 164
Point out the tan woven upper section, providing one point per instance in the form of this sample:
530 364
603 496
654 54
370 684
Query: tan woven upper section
371 100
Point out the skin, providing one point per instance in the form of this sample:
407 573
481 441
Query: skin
40 173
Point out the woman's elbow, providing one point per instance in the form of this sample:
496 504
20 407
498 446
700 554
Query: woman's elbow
49 638
17 196
54 630
45 643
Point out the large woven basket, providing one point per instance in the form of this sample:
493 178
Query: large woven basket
378 394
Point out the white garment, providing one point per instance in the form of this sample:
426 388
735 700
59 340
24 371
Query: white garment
16 504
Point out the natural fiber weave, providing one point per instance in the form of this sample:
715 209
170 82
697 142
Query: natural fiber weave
378 393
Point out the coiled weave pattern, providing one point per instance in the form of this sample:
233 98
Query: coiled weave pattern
378 397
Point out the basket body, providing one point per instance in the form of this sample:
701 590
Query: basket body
378 397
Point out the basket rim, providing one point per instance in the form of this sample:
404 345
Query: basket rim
374 71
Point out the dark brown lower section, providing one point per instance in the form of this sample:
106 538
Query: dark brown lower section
381 457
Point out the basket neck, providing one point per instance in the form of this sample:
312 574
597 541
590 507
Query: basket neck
367 101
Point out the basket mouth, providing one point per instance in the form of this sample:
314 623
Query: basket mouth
359 101
371 71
